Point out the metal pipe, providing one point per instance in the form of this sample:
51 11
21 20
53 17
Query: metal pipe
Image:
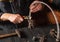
40 2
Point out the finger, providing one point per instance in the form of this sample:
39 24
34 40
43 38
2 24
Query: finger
14 21
33 9
19 19
39 7
33 6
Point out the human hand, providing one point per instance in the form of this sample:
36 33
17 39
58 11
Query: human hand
14 18
35 7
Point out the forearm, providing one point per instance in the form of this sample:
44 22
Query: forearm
4 14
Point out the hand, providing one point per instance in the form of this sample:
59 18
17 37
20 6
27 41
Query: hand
14 18
35 7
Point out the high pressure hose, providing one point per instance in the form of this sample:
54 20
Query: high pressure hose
57 24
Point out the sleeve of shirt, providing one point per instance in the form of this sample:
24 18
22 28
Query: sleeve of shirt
1 8
1 13
5 8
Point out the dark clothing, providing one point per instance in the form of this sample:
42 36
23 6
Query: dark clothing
18 6
55 4
21 7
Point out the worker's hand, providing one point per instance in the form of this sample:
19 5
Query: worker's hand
14 18
35 7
